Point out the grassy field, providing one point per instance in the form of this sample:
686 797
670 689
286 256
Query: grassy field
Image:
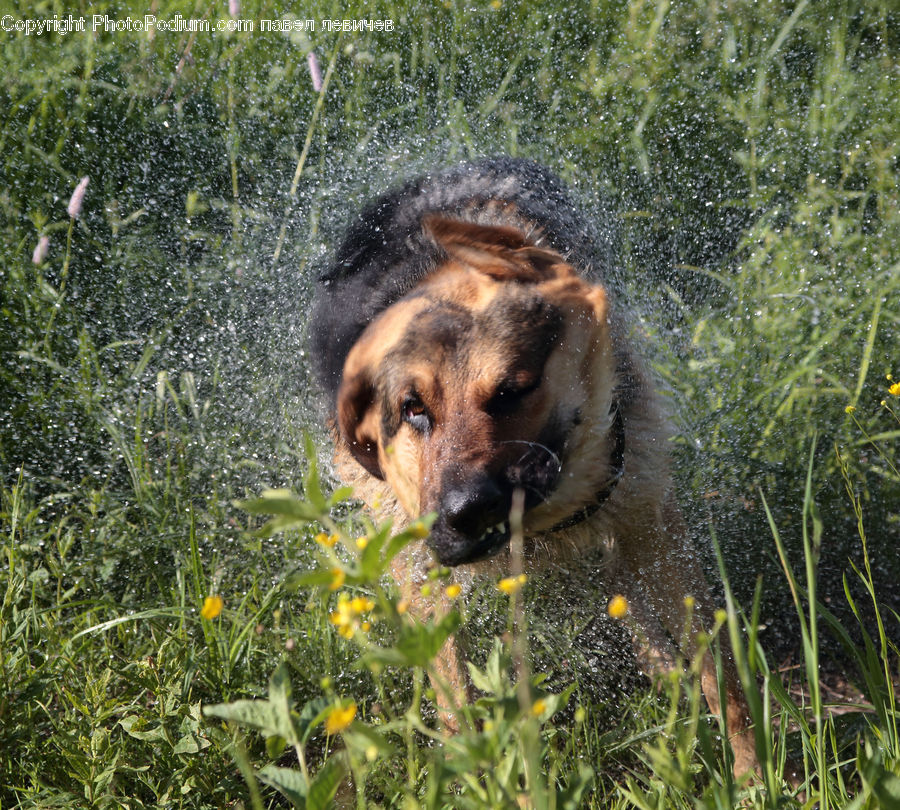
153 385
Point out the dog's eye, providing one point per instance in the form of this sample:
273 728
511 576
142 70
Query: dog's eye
509 395
415 414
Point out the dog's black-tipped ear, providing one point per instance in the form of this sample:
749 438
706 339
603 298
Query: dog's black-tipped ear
357 421
500 251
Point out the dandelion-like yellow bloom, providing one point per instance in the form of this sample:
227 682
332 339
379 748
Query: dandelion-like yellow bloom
453 590
337 579
510 585
894 390
617 607
402 606
538 707
689 602
721 616
850 409
362 542
339 718
212 607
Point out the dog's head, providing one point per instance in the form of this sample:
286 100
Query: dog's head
495 373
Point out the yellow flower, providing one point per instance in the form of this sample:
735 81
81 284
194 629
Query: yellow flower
850 409
337 579
453 590
362 542
418 530
538 707
346 617
326 539
689 602
894 390
212 607
361 604
721 616
339 718
510 585
402 606
618 607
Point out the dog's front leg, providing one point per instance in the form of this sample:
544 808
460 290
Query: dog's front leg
447 671
660 570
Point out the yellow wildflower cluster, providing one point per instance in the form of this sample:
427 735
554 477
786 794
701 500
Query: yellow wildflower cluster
510 585
894 390
348 618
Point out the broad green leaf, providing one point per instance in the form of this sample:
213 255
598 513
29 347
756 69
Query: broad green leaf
133 726
261 715
288 782
325 783
312 713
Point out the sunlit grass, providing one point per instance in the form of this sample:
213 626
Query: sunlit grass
152 377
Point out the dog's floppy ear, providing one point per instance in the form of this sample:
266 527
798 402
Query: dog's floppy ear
499 251
357 420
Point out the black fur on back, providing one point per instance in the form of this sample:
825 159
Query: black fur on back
385 252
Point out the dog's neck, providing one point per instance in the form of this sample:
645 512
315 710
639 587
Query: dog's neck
616 468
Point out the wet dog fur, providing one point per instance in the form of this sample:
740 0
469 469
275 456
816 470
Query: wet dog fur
469 350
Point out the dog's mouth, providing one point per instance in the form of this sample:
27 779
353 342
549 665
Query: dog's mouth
454 548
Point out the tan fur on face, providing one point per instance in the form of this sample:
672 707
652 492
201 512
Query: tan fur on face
580 367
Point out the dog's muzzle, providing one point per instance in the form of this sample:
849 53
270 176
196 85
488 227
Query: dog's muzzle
473 521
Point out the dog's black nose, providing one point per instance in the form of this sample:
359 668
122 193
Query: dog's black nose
474 507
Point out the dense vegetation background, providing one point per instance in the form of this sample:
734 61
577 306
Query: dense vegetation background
152 366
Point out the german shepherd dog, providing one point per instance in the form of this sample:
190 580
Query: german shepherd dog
470 351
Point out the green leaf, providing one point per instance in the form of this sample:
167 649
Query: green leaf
308 579
191 744
135 727
418 644
290 511
190 740
364 737
261 715
312 713
571 797
275 746
288 782
325 783
340 495
311 485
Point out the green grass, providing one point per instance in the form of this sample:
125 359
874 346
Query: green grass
152 376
